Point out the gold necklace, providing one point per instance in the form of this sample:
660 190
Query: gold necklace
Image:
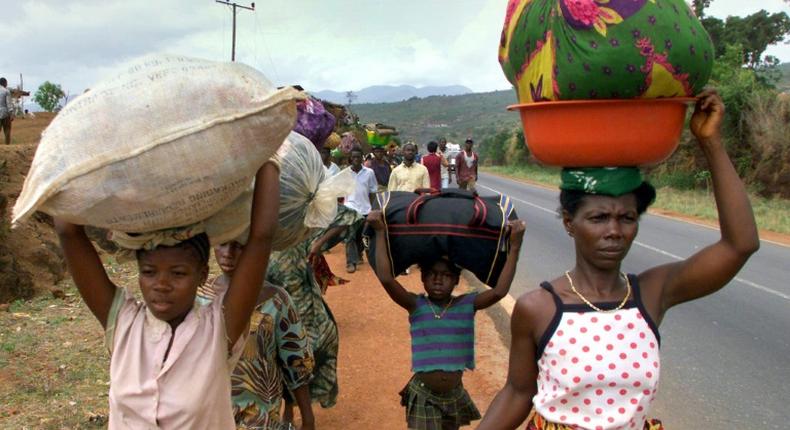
584 299
447 306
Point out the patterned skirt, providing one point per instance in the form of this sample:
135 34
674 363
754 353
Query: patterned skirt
427 410
291 269
536 422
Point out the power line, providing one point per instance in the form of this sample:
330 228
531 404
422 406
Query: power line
235 5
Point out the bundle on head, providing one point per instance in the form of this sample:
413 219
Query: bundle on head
607 49
470 230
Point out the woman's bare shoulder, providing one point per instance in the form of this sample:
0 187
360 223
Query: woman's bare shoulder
537 306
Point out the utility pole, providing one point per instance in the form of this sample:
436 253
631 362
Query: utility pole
235 5
21 109
350 96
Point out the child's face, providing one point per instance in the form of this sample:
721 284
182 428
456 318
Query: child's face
440 281
228 255
169 279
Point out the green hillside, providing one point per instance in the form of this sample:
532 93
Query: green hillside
454 117
784 81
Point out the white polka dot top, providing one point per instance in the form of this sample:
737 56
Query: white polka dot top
598 371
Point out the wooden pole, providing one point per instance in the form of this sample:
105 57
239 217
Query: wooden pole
235 5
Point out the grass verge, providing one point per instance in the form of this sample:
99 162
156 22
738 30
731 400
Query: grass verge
771 214
54 367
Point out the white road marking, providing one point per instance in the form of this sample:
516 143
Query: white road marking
553 212
667 216
710 227
654 249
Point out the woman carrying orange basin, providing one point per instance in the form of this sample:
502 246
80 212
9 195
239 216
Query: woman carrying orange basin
585 347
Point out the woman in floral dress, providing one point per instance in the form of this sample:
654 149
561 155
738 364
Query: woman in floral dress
293 270
276 362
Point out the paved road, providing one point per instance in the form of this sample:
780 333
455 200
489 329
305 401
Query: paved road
726 358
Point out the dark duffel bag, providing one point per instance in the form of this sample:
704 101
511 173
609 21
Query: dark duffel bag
469 229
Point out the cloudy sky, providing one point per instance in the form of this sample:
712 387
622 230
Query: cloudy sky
329 44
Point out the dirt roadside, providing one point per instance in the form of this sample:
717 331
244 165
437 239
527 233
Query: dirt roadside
30 260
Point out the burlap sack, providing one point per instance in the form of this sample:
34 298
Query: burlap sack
308 198
167 143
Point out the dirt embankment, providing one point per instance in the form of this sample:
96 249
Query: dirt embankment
30 259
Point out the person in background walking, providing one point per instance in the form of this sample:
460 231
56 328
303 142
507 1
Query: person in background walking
6 110
466 167
433 162
445 162
291 269
329 166
392 155
381 167
360 200
409 176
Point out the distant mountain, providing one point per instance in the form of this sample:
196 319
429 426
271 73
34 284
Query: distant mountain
391 94
476 115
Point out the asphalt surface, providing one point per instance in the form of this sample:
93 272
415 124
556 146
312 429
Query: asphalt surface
725 357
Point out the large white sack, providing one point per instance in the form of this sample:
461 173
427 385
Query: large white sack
308 198
167 143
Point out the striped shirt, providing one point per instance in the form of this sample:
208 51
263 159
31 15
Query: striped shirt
446 343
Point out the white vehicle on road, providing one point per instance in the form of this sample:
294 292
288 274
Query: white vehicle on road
453 149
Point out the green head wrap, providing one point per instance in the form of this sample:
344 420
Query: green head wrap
610 181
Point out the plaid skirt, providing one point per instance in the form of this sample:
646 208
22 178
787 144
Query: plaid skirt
536 422
427 410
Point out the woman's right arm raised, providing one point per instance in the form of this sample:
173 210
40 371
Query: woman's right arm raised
86 269
714 266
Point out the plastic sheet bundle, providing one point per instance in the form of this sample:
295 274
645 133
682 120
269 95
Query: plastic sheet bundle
604 49
308 198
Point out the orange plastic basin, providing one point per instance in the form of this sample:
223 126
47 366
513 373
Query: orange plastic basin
586 133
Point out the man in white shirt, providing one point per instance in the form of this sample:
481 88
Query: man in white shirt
359 200
329 166
6 110
445 172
